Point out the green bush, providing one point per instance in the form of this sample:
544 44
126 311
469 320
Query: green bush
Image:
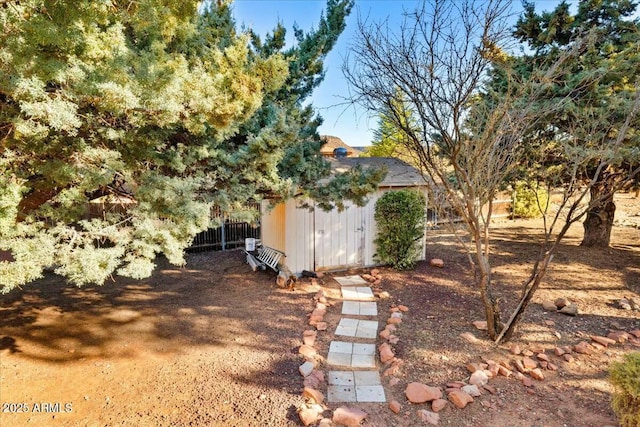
529 200
400 217
625 376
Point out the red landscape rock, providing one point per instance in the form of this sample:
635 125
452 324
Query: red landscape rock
542 356
311 382
561 302
309 337
472 390
394 321
395 407
460 398
436 262
619 336
493 368
529 363
603 340
349 417
515 349
420 393
491 389
504 371
307 351
559 351
582 347
309 414
403 308
480 324
472 367
469 337
318 374
386 354
429 417
536 374
313 395
479 378
438 405
384 334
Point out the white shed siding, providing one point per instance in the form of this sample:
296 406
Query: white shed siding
370 229
274 225
339 237
317 240
299 238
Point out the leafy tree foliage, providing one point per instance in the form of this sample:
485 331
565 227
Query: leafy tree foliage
155 105
529 200
602 81
388 139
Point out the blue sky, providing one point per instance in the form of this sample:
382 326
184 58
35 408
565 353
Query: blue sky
354 126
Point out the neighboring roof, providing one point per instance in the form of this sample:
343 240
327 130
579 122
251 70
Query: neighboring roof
399 173
333 142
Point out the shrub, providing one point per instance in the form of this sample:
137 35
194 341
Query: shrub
400 217
529 200
625 376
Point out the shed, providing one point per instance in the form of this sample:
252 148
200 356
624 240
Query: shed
317 240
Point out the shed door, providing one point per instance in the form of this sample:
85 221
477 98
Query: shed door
339 238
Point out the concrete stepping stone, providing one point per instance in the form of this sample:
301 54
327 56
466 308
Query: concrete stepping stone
357 328
356 386
357 293
350 280
359 308
370 393
353 355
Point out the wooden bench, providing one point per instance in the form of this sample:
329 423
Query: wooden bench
265 257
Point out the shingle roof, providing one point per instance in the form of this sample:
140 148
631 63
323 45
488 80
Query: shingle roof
399 173
333 142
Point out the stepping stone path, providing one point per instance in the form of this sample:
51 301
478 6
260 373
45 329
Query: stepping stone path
361 382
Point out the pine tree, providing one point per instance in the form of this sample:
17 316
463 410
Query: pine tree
155 108
603 82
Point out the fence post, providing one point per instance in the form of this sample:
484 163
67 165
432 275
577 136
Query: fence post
222 235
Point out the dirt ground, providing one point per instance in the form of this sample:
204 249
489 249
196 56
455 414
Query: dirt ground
215 344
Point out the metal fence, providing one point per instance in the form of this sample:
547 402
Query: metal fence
229 236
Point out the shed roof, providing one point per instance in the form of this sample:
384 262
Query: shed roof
399 173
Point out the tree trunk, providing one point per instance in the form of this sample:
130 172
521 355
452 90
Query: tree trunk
599 220
491 308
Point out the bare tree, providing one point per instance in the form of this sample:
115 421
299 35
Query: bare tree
465 143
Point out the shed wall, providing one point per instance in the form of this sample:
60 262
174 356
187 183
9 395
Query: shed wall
299 238
273 223
292 230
